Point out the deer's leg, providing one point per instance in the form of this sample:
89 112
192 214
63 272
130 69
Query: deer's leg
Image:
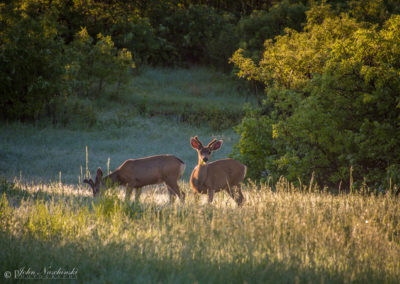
230 191
239 198
138 192
128 193
173 185
210 195
171 194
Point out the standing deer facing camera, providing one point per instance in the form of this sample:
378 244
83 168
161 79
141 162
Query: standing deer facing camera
209 177
136 173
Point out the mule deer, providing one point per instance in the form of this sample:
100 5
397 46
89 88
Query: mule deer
210 177
136 173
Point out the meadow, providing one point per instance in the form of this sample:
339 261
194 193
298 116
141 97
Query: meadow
282 234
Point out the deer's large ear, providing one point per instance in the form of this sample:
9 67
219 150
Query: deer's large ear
99 172
194 141
216 145
89 182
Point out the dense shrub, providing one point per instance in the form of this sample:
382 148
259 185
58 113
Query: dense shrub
254 29
373 11
331 104
93 65
197 33
220 47
39 72
31 64
138 36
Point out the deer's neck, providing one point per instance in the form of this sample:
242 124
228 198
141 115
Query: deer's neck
201 174
113 177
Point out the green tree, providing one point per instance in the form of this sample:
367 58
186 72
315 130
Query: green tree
94 65
31 62
261 25
331 103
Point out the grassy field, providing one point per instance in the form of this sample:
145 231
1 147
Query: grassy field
49 220
166 88
280 236
197 95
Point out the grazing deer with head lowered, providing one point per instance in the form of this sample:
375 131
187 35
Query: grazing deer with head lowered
210 177
136 173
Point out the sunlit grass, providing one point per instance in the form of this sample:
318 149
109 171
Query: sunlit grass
278 236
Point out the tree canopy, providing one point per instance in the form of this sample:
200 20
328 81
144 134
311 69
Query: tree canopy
332 103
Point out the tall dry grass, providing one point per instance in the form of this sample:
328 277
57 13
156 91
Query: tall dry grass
279 236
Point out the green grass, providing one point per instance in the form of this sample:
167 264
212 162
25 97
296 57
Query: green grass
196 85
282 236
196 95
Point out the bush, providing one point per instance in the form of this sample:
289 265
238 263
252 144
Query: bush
93 65
221 47
139 37
374 11
254 29
331 104
31 64
196 32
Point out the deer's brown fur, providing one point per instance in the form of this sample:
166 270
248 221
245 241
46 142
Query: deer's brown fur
136 173
210 177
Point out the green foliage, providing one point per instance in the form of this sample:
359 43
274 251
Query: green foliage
39 72
31 64
254 29
256 147
195 34
220 47
331 100
138 36
94 65
373 11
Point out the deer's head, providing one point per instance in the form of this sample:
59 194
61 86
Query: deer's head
204 153
98 182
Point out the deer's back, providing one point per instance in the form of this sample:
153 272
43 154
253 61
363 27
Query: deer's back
150 170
